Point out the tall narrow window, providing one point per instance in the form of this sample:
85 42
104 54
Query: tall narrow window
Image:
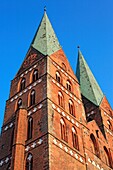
58 77
32 98
95 145
64 66
9 166
60 99
22 84
19 103
68 86
63 130
12 137
75 138
107 157
35 76
29 162
109 125
30 128
71 107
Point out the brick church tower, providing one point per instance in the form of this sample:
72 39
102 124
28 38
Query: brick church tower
55 119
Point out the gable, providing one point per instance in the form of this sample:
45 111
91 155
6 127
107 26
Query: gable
31 57
60 58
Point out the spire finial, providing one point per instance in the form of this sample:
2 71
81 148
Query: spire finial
44 8
78 47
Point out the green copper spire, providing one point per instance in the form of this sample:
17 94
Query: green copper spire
45 40
88 84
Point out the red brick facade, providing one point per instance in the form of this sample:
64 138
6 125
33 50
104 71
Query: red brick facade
62 136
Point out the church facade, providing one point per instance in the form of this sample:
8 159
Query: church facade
55 119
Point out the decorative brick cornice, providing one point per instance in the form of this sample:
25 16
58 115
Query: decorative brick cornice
25 90
34 145
108 116
66 91
64 72
5 160
33 110
65 115
8 126
95 164
69 151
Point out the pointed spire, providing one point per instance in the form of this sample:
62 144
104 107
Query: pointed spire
45 40
88 84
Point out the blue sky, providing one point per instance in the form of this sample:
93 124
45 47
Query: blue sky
76 22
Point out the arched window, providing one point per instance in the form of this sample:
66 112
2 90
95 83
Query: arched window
35 76
75 138
107 157
30 128
32 97
22 84
95 145
110 113
60 99
63 130
29 162
58 77
64 66
71 107
19 103
12 137
69 86
9 166
109 125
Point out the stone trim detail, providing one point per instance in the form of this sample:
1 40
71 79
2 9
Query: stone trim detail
25 90
63 89
66 74
5 160
35 109
34 144
65 115
68 150
108 131
30 69
94 163
8 126
108 116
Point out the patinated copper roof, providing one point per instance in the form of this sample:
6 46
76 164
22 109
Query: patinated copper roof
88 84
45 40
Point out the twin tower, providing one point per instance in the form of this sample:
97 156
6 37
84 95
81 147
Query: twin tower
54 119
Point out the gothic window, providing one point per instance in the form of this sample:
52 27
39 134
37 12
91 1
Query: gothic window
110 113
75 138
29 162
63 66
22 84
9 166
12 137
63 130
107 157
69 86
30 128
71 107
19 103
109 125
58 77
35 76
60 99
95 145
32 97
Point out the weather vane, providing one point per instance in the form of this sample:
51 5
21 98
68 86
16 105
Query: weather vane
78 46
44 8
